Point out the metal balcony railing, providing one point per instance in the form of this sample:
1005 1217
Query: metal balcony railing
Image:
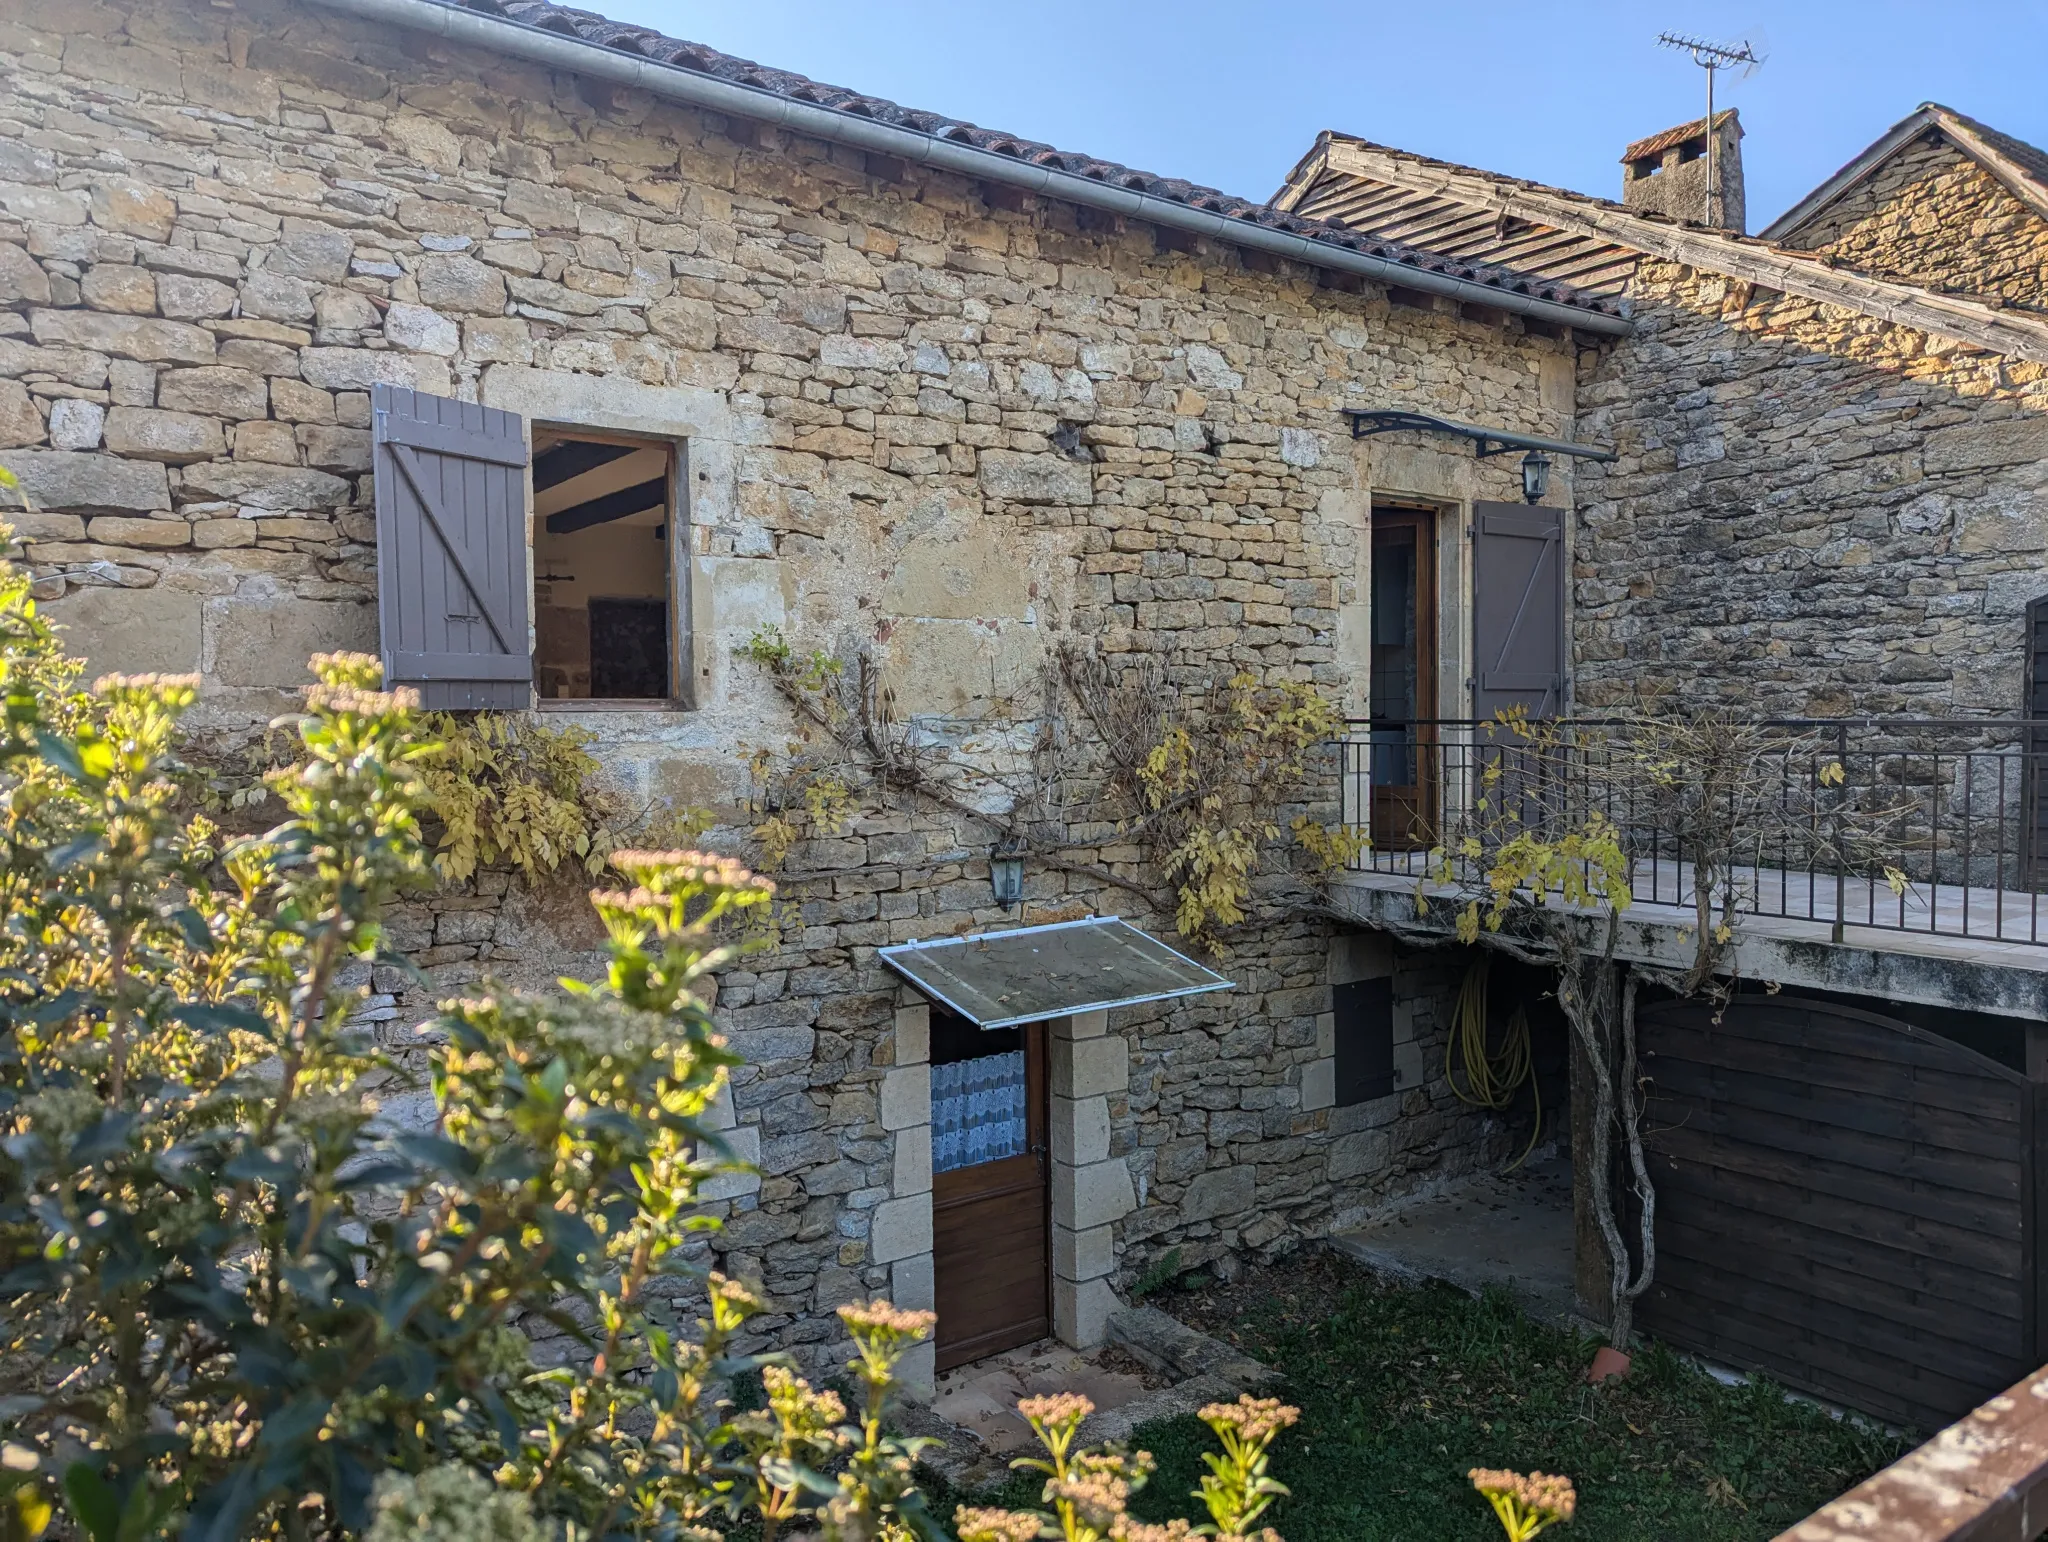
1911 824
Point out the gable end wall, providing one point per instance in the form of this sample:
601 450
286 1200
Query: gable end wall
1933 216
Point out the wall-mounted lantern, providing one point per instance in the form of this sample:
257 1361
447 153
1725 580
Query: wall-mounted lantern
1368 421
1006 872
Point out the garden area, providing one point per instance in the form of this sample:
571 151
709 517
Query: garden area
1404 1390
247 1296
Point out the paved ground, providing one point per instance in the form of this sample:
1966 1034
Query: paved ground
982 1398
1514 1231
1152 1367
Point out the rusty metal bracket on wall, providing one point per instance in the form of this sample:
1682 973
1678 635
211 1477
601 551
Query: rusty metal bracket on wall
1365 422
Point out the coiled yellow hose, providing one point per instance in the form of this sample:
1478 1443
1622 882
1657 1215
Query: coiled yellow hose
1491 1079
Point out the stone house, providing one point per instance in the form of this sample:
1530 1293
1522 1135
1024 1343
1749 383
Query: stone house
559 357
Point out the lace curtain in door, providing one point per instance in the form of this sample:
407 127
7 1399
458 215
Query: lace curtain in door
978 1111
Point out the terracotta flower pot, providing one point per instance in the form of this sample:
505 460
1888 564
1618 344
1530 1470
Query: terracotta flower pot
1608 1365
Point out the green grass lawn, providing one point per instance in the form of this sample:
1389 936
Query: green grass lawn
1403 1391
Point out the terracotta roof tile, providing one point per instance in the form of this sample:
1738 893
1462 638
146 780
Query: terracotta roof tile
1657 144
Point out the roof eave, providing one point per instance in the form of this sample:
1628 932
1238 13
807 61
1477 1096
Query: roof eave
2027 189
660 78
1794 272
1297 182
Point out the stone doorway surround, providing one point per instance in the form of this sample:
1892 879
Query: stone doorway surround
1091 1190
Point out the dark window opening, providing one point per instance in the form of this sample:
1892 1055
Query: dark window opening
1691 150
1402 702
955 1039
1365 1040
628 648
603 508
1648 166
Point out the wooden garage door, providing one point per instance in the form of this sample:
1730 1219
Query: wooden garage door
1842 1204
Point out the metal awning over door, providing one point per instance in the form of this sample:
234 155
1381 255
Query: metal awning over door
1001 979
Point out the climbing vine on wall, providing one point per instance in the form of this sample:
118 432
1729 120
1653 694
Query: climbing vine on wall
802 790
508 789
1218 786
501 789
1214 780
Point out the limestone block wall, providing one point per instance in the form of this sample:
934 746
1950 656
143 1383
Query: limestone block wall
924 418
1813 513
1931 215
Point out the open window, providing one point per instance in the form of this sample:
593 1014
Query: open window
454 487
603 529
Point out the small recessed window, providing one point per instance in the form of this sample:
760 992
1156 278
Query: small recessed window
1364 1011
1691 150
603 560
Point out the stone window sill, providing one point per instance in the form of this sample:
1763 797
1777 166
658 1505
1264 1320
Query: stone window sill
601 704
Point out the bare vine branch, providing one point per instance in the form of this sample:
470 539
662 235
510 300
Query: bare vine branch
1201 781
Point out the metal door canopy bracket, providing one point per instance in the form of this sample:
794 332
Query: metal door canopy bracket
1367 421
1030 973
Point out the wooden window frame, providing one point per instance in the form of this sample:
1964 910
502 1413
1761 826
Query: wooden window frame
1427 521
682 695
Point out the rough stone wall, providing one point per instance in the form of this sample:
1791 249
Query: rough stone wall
1933 216
925 418
1813 513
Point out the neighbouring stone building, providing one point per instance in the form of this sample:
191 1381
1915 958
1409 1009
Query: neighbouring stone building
1832 440
912 392
1828 499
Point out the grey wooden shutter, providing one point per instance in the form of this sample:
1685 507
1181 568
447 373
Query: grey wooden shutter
1517 609
451 549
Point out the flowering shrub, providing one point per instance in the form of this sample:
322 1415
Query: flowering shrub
246 1295
1526 1505
1089 1491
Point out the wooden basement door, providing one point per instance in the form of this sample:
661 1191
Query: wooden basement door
991 1195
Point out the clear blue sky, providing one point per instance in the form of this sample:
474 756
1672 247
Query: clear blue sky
1233 94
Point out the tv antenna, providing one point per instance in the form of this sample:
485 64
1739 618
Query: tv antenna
1712 57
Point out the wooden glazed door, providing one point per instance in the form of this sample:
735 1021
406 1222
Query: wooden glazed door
991 1198
1402 741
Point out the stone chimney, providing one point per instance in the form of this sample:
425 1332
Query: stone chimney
1667 173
